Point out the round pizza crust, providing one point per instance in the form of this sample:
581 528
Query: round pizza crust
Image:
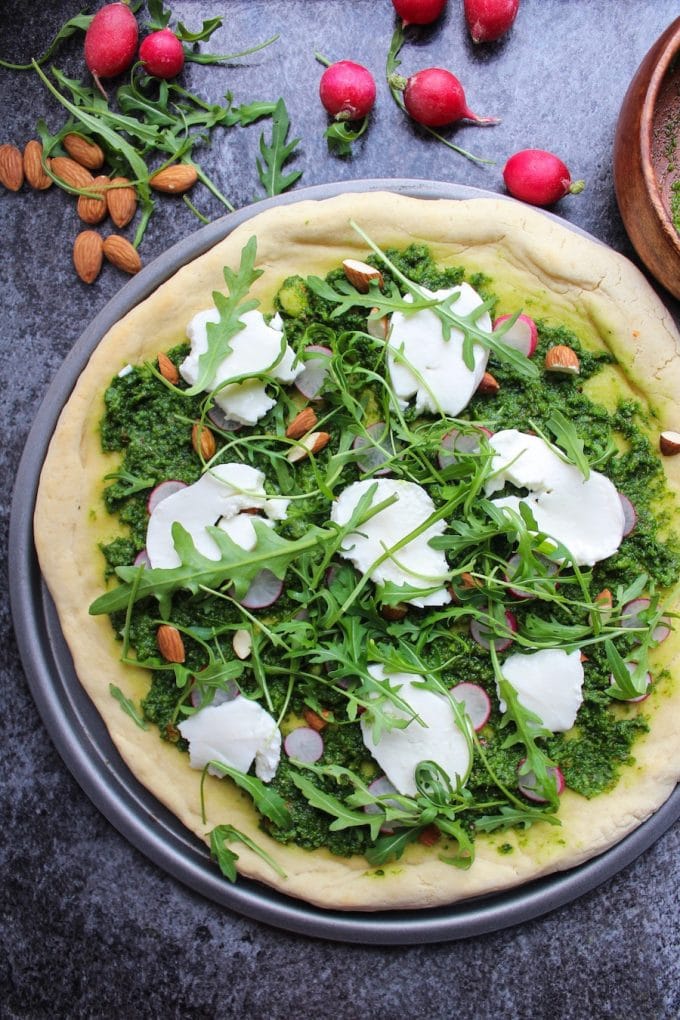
534 262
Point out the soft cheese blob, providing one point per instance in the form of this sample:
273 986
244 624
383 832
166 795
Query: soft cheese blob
435 738
423 364
548 683
415 563
584 514
222 492
256 350
235 733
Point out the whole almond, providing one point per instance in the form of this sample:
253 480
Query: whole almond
167 368
121 254
203 441
93 210
122 202
314 720
313 442
170 644
489 385
361 275
301 423
33 168
11 167
393 613
669 443
70 172
88 250
562 359
84 151
174 180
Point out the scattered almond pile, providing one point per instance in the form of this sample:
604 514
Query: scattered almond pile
97 196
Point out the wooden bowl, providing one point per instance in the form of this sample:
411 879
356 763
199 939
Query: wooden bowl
647 159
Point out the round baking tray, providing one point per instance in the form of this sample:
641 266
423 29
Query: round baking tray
84 743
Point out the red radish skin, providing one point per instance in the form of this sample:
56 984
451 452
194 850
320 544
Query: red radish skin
435 98
488 20
111 42
347 90
162 54
419 12
539 177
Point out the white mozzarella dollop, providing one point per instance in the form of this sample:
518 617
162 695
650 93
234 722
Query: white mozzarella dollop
235 733
255 351
436 738
221 493
549 683
423 364
586 515
416 563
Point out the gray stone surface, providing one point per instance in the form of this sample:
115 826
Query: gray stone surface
88 926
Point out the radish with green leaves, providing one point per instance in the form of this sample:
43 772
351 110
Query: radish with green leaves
419 12
162 54
539 177
488 20
435 98
111 42
347 90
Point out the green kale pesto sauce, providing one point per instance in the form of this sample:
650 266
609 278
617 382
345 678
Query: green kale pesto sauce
151 427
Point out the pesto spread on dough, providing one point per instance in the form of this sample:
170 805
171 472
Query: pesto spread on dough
309 652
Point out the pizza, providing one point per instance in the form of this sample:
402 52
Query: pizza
364 546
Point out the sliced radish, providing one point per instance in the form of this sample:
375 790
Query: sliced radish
522 335
141 559
304 744
632 611
317 362
476 702
528 784
162 491
630 666
265 589
483 635
378 446
382 787
631 617
222 422
629 515
455 441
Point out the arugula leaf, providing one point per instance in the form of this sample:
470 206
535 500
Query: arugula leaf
341 136
231 308
128 706
267 801
512 817
226 858
627 684
132 482
391 847
344 816
198 572
225 58
204 32
276 154
80 23
566 435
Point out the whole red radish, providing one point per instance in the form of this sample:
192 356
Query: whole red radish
419 12
488 20
162 54
111 42
434 97
347 90
539 177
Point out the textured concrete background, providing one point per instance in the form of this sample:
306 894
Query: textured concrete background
90 927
